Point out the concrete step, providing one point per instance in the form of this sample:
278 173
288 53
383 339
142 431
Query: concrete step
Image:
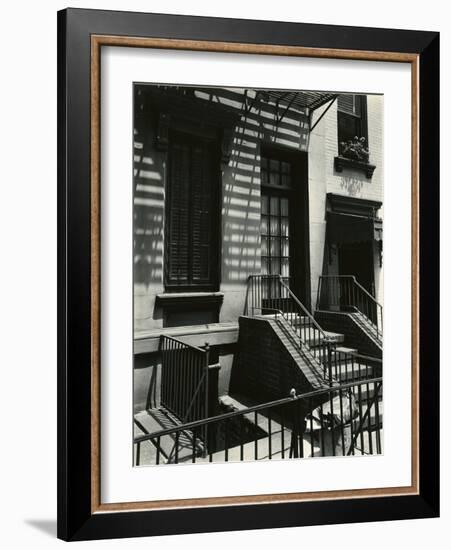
313 337
343 349
348 372
154 420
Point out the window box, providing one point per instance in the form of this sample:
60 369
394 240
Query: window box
343 162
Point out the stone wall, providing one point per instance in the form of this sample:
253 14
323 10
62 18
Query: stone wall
263 368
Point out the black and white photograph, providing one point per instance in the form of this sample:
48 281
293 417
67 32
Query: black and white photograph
257 274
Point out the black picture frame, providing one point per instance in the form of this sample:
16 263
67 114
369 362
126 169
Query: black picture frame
76 519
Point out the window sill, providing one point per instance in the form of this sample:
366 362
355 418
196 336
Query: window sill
190 299
365 167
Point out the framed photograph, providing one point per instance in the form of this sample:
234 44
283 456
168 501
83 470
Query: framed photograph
248 274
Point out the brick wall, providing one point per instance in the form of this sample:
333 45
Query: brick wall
355 337
263 367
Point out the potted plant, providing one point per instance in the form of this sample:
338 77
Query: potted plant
355 149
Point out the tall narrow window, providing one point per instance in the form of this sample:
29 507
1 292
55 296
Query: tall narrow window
275 222
191 214
352 119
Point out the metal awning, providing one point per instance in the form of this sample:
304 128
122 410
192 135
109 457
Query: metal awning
345 228
299 100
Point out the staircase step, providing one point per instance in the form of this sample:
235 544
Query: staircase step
154 420
313 337
348 372
344 349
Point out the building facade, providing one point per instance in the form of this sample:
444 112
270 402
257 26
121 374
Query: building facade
232 183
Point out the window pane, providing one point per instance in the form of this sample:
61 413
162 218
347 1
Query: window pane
275 266
275 246
285 167
285 267
274 178
264 266
285 180
274 206
264 246
274 225
274 165
284 207
349 127
284 227
264 204
285 249
264 225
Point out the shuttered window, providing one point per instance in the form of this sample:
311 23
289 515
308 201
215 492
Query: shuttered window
352 118
192 214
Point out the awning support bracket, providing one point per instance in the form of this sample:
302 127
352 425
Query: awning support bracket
323 113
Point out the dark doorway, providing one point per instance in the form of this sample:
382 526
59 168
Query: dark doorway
357 259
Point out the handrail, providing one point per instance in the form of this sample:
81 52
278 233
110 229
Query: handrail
359 285
336 292
255 408
304 309
270 293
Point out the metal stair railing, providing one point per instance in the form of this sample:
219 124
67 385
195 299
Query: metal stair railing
345 293
271 295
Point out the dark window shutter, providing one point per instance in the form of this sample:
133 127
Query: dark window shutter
201 212
351 118
345 103
192 209
178 234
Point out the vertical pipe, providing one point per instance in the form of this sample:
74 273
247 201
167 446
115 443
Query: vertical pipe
282 433
377 419
369 407
332 427
206 412
269 435
352 450
226 440
255 440
193 446
158 450
138 453
342 423
177 437
362 443
312 439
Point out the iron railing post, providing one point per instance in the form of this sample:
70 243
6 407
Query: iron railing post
329 359
207 393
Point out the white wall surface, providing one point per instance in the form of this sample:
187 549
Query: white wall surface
28 274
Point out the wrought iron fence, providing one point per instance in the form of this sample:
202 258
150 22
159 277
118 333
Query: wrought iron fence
342 420
184 380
